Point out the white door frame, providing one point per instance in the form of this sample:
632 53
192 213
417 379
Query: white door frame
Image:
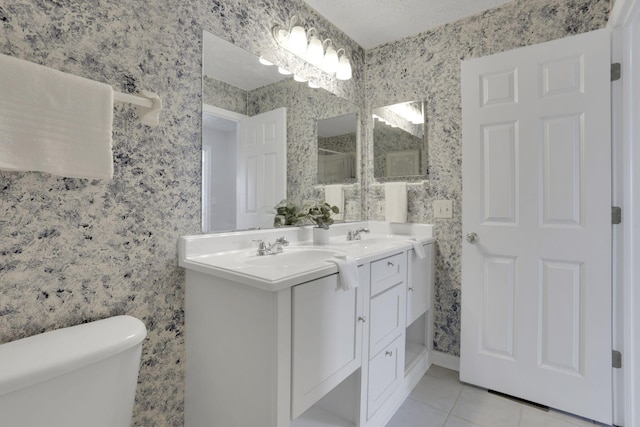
625 21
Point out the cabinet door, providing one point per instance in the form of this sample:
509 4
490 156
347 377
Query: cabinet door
420 283
387 313
326 338
386 371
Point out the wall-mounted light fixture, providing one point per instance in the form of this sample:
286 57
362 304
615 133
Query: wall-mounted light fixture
322 54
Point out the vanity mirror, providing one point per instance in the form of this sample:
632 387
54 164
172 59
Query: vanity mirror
337 149
399 141
240 188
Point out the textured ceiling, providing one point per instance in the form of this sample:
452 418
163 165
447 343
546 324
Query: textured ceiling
374 22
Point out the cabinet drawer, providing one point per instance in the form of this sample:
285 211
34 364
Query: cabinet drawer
388 272
386 371
387 314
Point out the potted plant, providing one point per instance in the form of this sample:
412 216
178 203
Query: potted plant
320 214
288 213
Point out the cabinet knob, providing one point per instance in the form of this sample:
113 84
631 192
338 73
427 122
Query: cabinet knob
388 353
411 289
362 319
390 263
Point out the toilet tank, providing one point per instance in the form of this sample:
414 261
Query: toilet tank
81 376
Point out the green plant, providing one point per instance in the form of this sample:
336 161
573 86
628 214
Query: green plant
288 213
320 213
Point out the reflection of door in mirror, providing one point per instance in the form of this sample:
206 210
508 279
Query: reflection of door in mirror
262 166
337 149
243 168
399 140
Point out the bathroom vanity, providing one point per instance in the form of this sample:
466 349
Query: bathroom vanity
275 340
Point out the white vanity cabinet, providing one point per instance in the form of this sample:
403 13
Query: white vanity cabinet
304 352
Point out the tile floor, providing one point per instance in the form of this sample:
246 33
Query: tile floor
440 400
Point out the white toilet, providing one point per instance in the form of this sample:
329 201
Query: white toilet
82 376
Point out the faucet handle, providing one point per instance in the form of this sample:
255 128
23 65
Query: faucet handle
261 244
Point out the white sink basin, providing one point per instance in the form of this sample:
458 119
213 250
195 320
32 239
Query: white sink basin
294 257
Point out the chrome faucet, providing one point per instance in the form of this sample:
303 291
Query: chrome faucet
271 248
355 234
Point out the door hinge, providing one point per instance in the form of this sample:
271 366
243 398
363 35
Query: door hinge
616 215
616 71
616 359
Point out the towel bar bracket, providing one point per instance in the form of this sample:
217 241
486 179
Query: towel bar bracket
148 105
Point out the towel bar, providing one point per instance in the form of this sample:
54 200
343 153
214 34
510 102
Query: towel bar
148 105
132 99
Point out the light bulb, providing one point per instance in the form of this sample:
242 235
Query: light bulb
297 41
313 85
344 68
284 71
330 60
298 78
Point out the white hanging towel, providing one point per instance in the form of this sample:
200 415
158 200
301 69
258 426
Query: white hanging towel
334 195
54 122
395 201
347 272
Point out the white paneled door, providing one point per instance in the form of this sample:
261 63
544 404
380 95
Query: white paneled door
262 168
536 259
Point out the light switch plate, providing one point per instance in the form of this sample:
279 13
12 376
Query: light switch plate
443 209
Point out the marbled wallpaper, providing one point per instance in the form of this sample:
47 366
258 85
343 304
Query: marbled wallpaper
427 66
75 250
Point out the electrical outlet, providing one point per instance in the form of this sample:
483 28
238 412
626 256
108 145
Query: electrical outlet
443 209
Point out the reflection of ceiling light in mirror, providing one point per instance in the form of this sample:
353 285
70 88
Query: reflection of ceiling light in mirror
313 85
408 112
264 61
298 78
380 119
284 71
